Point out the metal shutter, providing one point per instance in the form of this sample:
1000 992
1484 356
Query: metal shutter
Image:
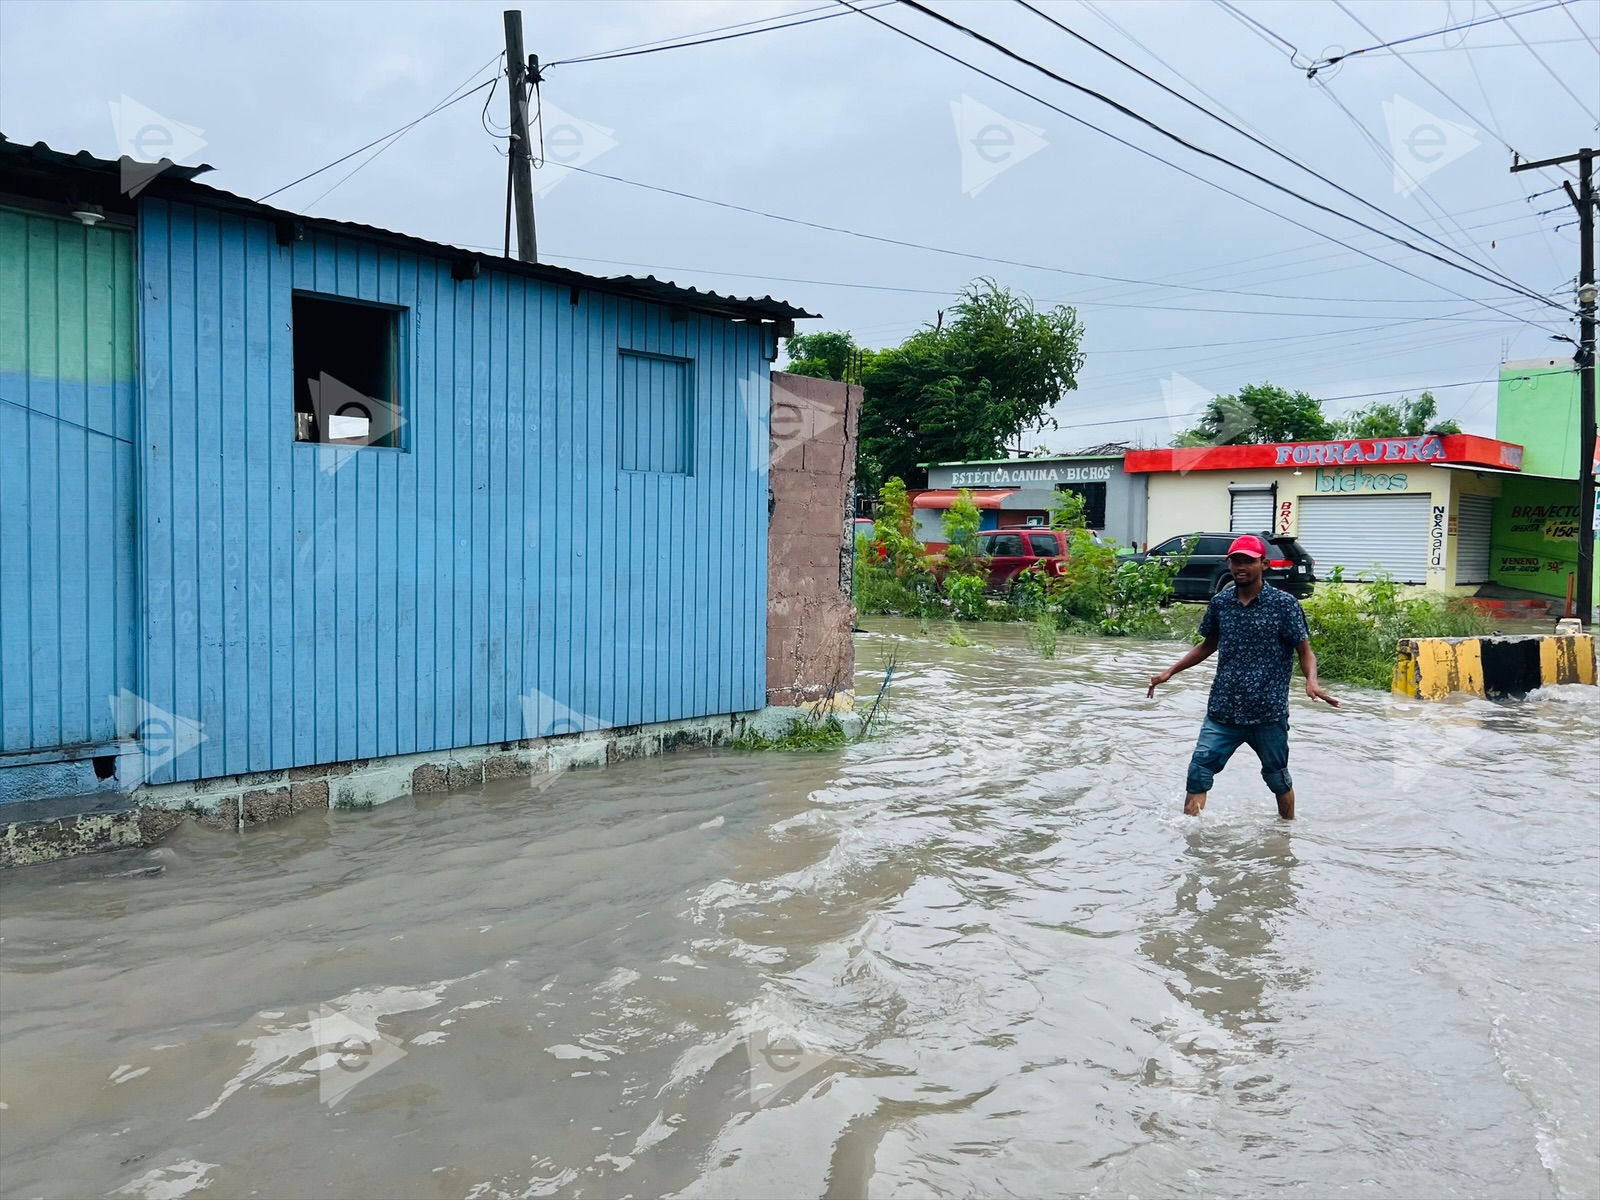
1250 510
1367 534
1474 519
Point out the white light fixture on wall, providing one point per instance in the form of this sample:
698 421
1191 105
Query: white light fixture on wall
89 214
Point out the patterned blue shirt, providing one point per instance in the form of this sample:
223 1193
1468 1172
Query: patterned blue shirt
1255 654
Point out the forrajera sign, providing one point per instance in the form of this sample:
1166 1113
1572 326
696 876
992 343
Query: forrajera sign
1428 448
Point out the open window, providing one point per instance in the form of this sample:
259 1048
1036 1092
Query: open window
346 372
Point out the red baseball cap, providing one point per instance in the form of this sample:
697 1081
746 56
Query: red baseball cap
1250 544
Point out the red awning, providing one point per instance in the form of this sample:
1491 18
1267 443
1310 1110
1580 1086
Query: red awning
945 497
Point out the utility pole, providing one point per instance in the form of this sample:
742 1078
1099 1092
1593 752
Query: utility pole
1583 200
521 147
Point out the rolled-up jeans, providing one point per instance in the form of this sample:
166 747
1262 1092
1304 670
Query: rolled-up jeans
1216 745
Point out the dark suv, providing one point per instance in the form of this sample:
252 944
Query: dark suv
1205 573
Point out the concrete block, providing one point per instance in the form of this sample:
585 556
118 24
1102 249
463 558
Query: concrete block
266 804
313 793
1432 668
156 823
430 777
505 766
826 458
224 816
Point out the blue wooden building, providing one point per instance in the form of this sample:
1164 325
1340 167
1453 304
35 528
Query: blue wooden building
550 516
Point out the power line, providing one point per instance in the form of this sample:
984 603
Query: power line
1415 70
1406 391
1581 29
702 40
1417 37
1205 153
1263 144
1540 59
392 133
1010 262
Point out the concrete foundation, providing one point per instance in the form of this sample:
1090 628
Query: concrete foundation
42 831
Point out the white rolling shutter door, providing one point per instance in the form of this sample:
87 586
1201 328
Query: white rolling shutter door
1474 519
1250 510
1367 534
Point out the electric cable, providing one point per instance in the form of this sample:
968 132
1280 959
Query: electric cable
1010 262
1260 142
1415 70
1417 37
1581 30
701 40
1147 122
1539 58
393 133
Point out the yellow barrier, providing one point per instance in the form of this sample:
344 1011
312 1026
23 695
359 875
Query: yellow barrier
1432 668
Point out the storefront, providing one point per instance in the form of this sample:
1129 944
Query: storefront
1420 509
1011 492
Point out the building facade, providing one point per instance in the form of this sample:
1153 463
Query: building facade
1535 533
1013 492
544 512
1420 509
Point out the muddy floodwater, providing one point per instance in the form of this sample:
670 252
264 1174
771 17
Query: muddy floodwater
982 954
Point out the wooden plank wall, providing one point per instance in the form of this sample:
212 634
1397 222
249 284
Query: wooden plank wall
313 605
67 568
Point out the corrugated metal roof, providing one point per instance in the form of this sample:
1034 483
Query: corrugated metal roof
22 164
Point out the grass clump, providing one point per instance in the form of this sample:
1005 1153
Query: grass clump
1355 627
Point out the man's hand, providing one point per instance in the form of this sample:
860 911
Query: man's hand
1156 681
1314 690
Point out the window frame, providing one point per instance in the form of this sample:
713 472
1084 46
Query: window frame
690 441
401 367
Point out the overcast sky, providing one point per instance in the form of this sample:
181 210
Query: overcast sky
844 122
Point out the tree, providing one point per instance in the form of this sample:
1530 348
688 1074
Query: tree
966 388
826 355
1260 412
961 521
1408 418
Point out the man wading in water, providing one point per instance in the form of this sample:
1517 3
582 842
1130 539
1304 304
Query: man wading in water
1259 629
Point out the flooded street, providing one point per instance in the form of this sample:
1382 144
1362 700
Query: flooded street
982 954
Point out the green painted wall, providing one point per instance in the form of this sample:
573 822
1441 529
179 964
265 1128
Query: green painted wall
1538 410
67 433
1535 535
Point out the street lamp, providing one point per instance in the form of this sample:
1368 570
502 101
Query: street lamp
1587 295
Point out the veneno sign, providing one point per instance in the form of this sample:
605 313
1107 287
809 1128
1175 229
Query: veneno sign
1011 476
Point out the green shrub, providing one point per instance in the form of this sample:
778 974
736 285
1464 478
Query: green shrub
969 600
1042 635
1354 627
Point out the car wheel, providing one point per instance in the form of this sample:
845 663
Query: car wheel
1222 580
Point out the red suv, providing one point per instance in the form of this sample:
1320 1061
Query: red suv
1013 551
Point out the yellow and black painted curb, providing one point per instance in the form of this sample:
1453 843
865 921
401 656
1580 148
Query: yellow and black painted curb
1432 668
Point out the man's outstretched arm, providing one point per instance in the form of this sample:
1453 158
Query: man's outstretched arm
1308 668
1197 654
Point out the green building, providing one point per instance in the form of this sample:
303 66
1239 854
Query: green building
1535 532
